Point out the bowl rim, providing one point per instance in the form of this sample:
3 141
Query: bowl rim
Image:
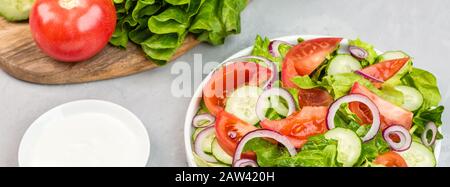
196 98
57 113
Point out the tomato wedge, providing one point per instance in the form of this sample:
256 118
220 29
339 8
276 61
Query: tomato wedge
305 57
390 159
390 114
230 130
314 97
299 126
385 70
230 77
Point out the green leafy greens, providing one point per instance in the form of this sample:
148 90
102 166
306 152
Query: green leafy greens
261 48
317 152
372 54
161 26
430 111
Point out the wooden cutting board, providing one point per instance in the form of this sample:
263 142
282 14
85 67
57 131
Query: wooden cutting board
22 59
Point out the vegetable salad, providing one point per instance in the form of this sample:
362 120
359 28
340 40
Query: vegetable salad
324 102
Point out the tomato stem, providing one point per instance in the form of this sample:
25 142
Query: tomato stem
68 4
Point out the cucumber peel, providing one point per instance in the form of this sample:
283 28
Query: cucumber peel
15 10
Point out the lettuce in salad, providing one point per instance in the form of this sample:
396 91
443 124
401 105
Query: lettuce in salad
340 85
261 48
430 111
372 54
317 152
425 82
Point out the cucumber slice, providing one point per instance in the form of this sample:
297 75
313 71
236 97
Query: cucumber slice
343 63
418 156
203 163
349 145
277 104
220 154
196 132
412 98
242 103
15 10
199 161
207 142
391 55
219 165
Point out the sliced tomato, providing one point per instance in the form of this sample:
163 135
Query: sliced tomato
230 130
230 77
390 114
299 126
305 57
390 159
385 70
314 97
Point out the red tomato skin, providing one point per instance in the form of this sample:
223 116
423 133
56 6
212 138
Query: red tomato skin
390 114
226 123
72 34
228 78
314 97
305 57
390 159
385 70
299 126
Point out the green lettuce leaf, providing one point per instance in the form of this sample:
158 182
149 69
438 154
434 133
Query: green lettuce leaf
426 84
371 149
161 26
305 82
177 2
217 19
261 48
317 152
172 20
369 48
422 117
145 8
340 85
267 153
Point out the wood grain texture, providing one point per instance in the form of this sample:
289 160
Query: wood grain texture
22 59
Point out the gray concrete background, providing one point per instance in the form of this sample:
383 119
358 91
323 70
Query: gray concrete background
419 27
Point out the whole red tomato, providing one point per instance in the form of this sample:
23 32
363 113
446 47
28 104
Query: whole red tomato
72 30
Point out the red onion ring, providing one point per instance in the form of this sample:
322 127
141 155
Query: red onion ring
274 45
263 98
402 133
269 64
199 120
429 127
245 163
262 133
370 77
198 144
356 98
358 52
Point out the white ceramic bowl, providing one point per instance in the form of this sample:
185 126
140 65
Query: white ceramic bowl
85 133
197 97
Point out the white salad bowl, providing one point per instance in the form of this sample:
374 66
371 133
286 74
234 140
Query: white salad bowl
66 136
194 105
